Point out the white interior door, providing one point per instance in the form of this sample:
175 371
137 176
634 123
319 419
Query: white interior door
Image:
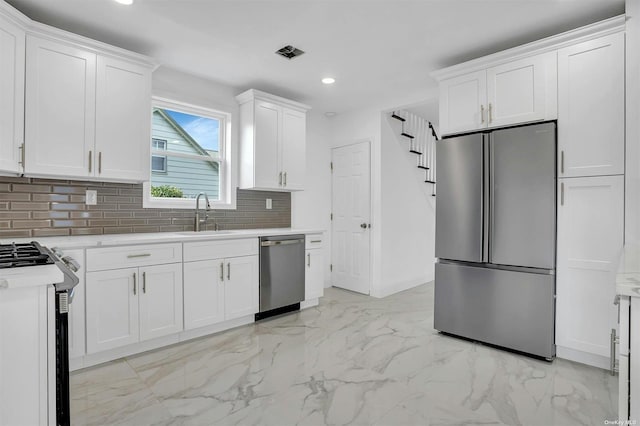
351 208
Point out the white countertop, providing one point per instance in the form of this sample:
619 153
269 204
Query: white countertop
88 241
628 275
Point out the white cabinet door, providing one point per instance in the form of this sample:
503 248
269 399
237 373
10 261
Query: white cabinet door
463 103
590 236
12 50
203 293
267 135
112 309
160 300
517 91
123 120
294 162
314 274
634 362
76 309
591 107
59 109
241 286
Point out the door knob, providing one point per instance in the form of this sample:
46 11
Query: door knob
363 225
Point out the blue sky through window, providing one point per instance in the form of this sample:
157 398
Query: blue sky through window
205 131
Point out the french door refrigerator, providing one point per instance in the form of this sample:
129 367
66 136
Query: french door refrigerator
496 238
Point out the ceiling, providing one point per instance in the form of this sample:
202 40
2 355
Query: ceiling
379 51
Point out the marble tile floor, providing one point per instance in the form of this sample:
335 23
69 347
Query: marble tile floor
353 360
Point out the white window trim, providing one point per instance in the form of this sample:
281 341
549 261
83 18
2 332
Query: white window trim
228 160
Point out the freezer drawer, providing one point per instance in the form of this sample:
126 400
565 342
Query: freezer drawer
522 196
460 211
505 308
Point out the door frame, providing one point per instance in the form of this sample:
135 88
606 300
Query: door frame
371 213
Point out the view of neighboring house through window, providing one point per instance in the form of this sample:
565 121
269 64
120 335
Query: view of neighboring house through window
185 154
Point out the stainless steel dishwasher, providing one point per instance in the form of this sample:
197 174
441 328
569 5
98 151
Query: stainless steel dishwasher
281 274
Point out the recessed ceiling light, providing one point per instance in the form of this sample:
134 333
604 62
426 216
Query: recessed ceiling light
127 2
328 80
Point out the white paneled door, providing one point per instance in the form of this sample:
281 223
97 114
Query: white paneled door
351 210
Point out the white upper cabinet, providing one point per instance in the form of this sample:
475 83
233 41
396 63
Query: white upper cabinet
590 237
294 163
272 142
522 91
123 119
88 114
60 109
510 93
12 48
267 154
462 103
591 97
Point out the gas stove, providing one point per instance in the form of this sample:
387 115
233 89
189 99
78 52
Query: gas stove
21 255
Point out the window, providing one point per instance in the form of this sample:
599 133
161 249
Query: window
189 155
158 162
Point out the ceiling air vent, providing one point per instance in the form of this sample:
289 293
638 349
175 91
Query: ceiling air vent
289 52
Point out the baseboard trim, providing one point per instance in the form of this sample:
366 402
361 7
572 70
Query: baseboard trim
574 355
400 286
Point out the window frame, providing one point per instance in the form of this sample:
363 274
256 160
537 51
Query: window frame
227 162
154 153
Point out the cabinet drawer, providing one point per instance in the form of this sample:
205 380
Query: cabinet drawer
130 256
206 250
313 241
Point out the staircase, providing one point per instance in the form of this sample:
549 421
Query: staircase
421 138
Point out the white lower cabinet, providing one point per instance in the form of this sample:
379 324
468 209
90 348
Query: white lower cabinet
203 293
241 287
314 267
129 305
314 274
112 309
216 290
160 302
590 236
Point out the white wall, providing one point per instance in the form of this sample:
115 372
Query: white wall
632 178
402 214
408 214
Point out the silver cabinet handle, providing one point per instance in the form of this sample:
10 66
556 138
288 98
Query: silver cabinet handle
144 282
315 241
285 178
562 161
309 260
132 256
612 356
21 148
221 271
134 284
280 179
100 162
562 194
490 115
90 161
228 271
481 114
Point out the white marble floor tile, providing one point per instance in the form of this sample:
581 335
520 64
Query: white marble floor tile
352 360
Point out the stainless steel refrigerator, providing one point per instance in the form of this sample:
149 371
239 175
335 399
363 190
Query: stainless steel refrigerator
496 237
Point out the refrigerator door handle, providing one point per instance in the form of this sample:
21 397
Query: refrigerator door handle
487 195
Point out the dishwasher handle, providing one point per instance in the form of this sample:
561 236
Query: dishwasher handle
281 243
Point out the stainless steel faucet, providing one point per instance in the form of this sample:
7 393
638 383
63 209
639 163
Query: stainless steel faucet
199 221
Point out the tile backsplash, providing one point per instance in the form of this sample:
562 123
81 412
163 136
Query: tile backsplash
31 207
